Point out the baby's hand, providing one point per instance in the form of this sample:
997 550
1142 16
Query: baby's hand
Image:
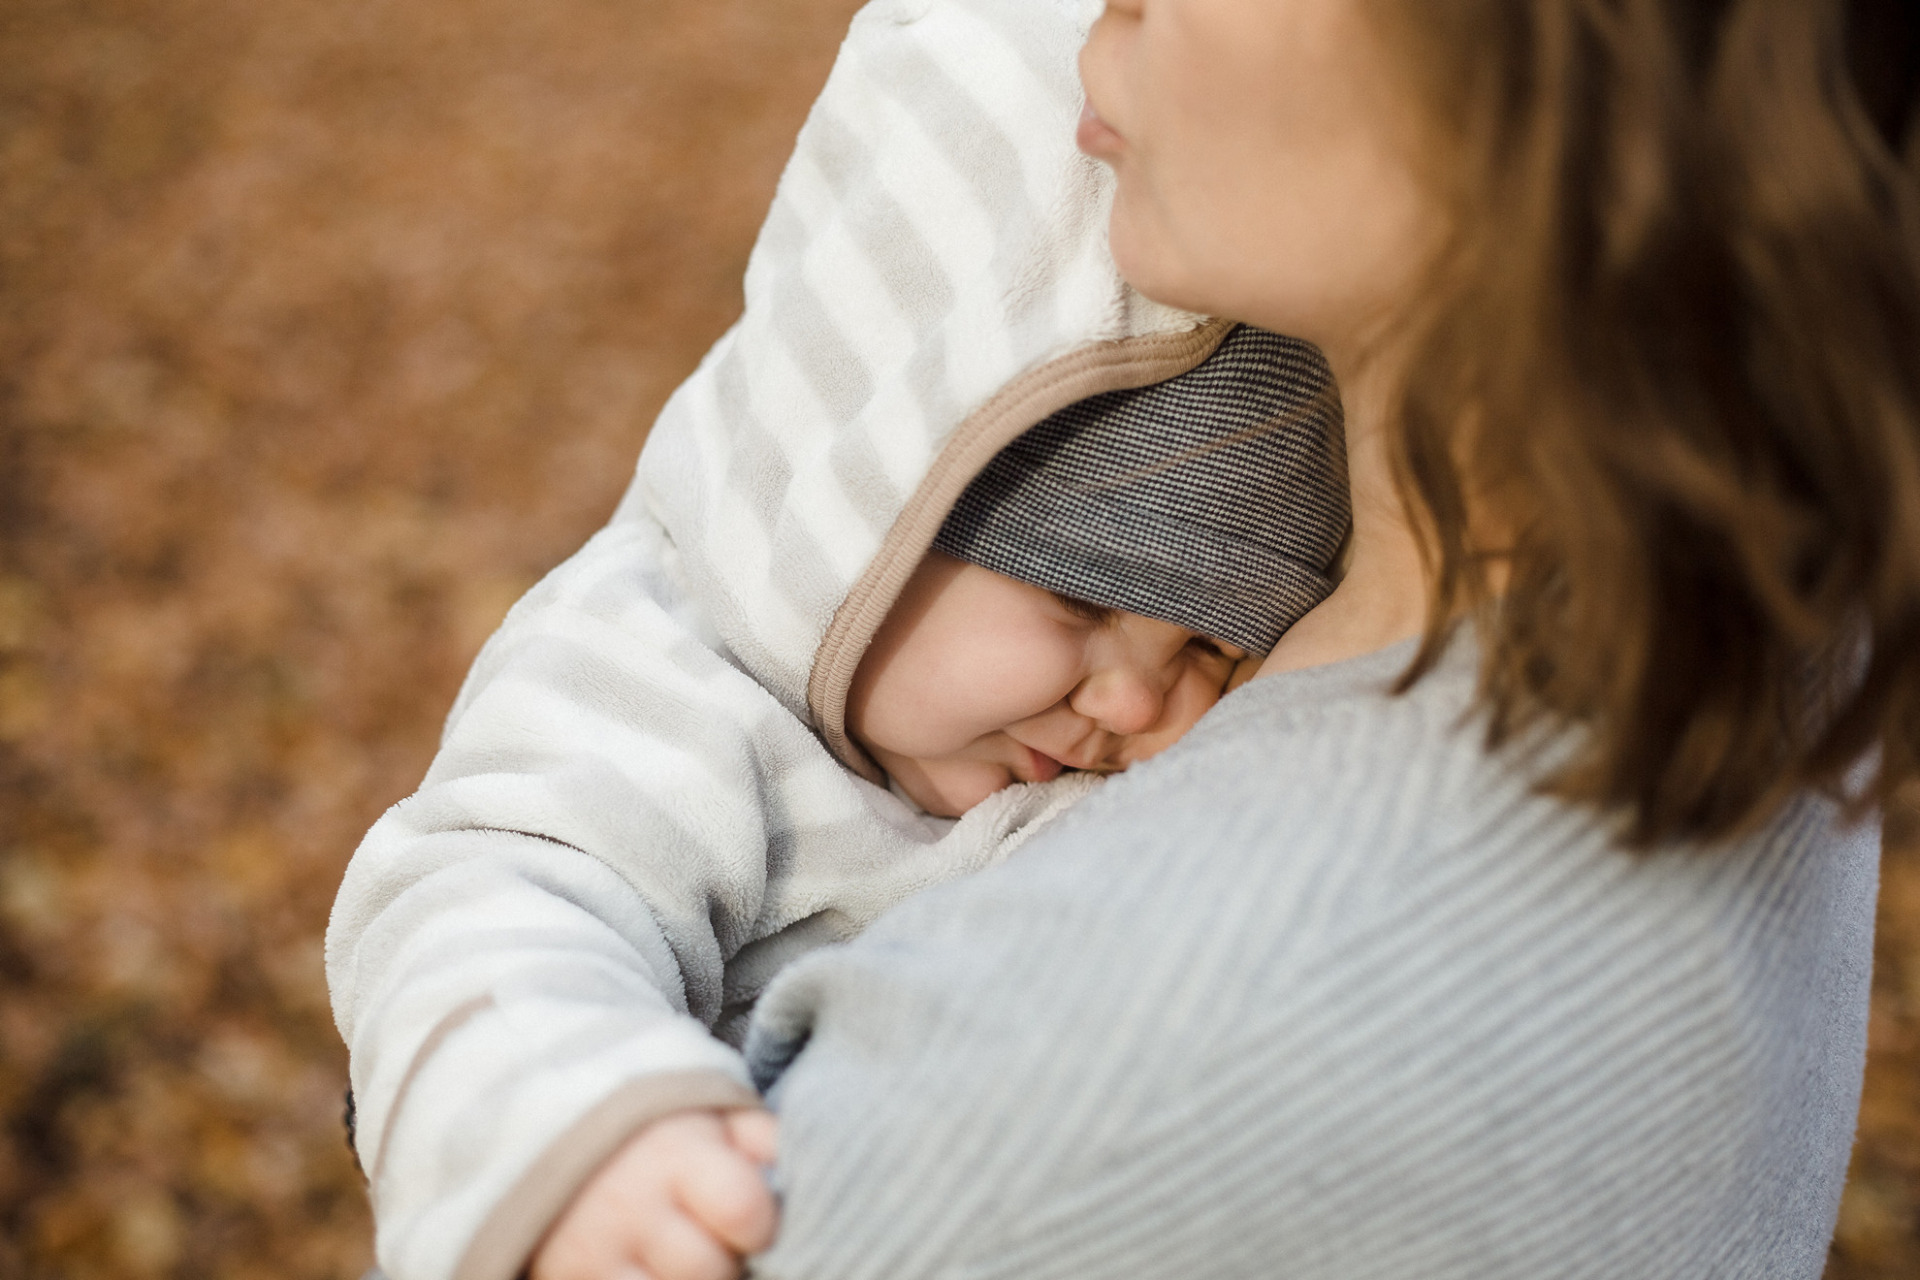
685 1199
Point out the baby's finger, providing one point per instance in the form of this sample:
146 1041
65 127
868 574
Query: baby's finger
756 1133
727 1193
592 1240
678 1248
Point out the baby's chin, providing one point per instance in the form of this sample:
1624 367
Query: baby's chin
945 788
948 788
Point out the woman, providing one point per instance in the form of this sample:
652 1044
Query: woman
1554 962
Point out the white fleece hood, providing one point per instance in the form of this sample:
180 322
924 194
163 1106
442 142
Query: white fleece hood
933 279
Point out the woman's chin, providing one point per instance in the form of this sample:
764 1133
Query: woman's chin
1133 252
1146 262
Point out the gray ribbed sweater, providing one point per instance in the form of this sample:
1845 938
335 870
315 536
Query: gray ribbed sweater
1325 992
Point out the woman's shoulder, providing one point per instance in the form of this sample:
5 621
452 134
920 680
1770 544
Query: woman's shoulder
1328 773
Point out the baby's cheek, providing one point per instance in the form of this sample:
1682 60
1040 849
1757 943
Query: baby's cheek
1191 697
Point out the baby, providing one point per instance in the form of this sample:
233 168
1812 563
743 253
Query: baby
950 523
543 958
1073 614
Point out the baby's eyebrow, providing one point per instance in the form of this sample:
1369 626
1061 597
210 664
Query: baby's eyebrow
1083 608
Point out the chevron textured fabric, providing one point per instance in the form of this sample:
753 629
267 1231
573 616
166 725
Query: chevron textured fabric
1328 992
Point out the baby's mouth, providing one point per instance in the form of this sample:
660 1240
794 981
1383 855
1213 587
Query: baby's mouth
1045 767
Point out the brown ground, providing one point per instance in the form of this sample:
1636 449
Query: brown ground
325 327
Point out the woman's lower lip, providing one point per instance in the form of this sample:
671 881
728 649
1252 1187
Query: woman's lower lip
1095 136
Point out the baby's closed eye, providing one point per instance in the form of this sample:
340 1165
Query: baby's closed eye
1085 610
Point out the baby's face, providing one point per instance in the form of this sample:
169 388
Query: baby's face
977 681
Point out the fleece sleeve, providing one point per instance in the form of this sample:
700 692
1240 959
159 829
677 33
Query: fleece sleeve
1340 1000
526 956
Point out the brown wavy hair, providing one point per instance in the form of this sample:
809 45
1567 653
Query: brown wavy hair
1675 345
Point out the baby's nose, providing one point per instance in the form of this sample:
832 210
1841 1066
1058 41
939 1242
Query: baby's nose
1120 700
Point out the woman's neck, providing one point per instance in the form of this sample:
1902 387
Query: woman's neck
1382 599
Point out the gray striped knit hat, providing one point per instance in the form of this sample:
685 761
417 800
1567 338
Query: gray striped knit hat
1216 500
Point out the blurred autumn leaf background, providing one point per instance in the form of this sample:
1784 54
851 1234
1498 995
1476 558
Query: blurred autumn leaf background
326 327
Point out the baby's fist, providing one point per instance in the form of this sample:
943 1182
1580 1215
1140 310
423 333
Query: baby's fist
685 1199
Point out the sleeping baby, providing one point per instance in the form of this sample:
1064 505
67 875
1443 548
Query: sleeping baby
1085 602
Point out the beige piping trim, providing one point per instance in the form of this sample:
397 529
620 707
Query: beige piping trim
462 1014
505 1242
1090 371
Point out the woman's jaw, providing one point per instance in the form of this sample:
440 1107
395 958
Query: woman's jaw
1264 160
1264 166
